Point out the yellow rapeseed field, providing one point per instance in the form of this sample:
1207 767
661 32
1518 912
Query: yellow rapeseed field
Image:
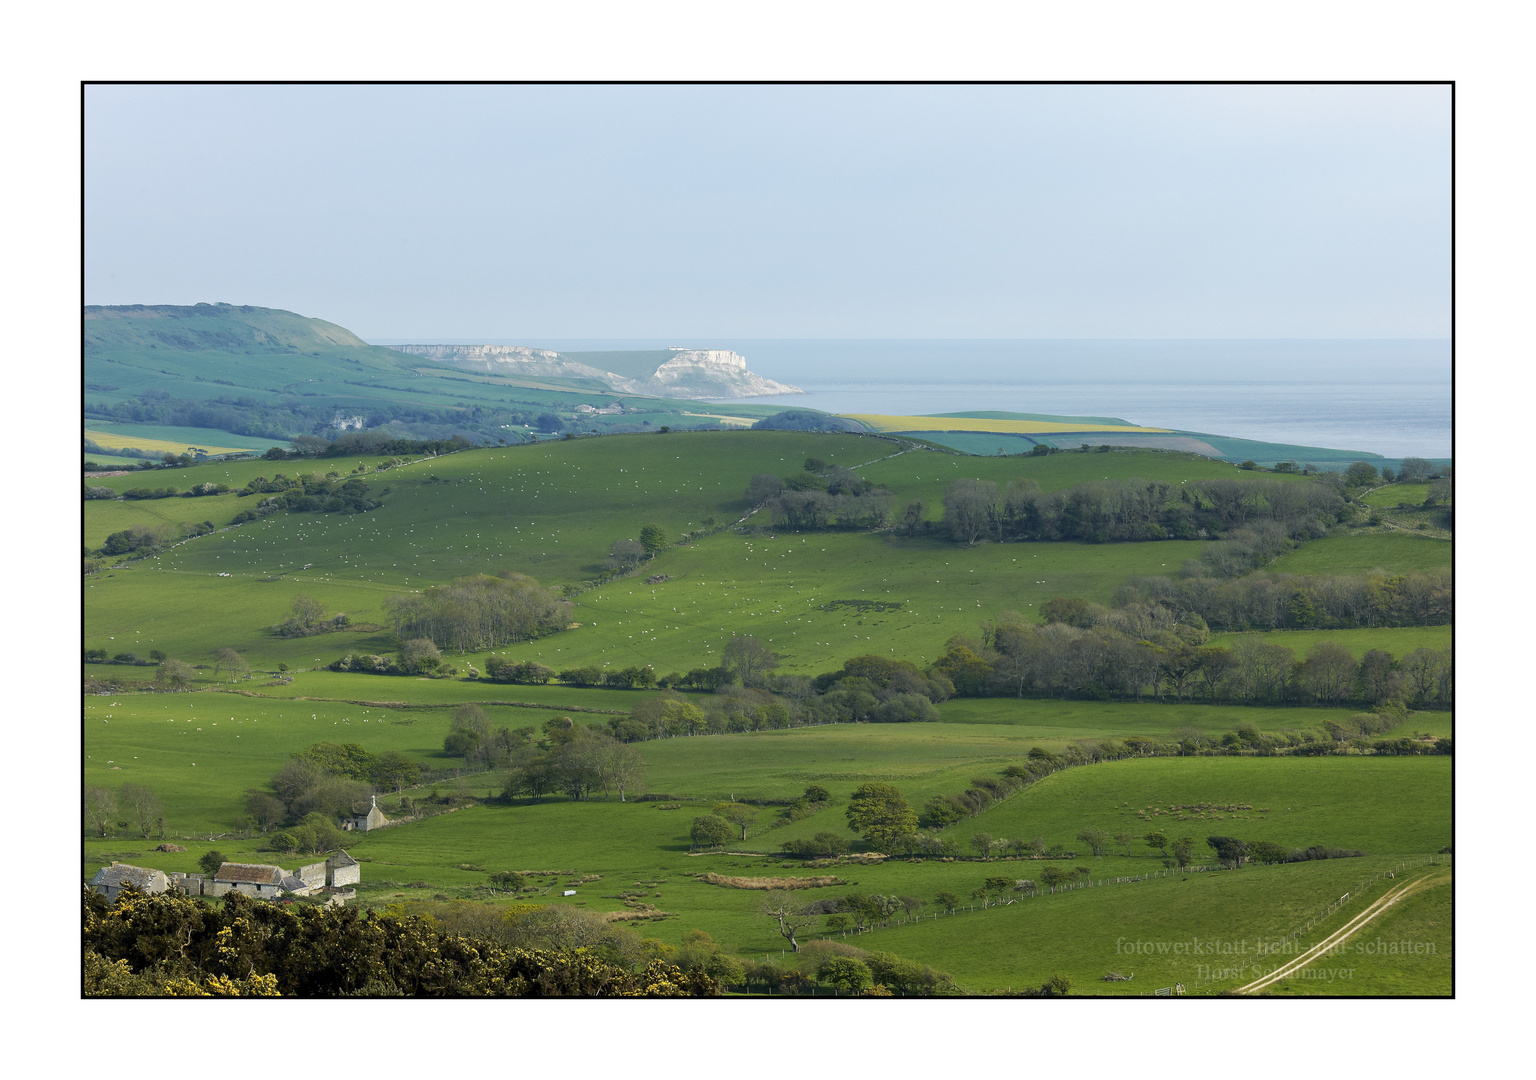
109 441
965 423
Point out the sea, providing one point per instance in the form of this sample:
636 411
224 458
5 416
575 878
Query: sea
1390 397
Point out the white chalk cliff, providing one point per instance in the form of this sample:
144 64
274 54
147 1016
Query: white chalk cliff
687 373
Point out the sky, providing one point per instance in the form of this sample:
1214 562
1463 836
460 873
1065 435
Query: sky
441 212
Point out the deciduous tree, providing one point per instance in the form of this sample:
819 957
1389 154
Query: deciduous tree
143 804
883 815
710 831
791 916
738 814
100 808
748 658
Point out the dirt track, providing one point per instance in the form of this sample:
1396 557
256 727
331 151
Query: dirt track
1348 930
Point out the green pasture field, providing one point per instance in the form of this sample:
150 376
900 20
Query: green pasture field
242 471
191 616
775 587
103 517
1270 454
551 510
158 733
465 513
981 443
1393 495
628 843
1055 723
1361 553
201 752
110 461
1146 929
185 437
1383 805
1397 640
106 516
1408 952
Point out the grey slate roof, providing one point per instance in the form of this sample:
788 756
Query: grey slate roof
119 874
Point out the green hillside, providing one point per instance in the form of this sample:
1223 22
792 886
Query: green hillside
270 375
140 347
815 599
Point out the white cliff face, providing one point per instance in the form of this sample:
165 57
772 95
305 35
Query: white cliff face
505 360
711 373
691 373
487 353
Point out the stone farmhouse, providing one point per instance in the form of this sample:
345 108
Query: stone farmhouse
111 880
329 879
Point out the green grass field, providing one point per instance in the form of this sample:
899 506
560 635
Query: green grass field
551 510
1397 640
1408 952
631 842
1361 553
1393 495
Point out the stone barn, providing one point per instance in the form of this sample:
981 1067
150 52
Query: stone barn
253 879
342 869
111 880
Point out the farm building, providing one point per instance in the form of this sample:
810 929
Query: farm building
266 881
373 819
111 880
253 879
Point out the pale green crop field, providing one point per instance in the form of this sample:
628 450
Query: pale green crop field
1395 494
1361 553
1397 640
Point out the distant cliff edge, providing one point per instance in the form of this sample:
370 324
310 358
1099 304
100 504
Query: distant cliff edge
674 373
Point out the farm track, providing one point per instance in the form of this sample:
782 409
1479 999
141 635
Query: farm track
1348 930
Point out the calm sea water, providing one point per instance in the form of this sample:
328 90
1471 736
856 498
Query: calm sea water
1389 397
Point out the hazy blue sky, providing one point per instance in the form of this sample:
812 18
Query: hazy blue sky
447 212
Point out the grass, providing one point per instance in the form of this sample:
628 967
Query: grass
1147 929
1397 640
1407 952
1077 932
1383 805
111 461
103 517
1394 495
1362 553
551 510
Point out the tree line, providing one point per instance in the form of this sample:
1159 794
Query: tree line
312 494
1060 660
1283 601
564 757
821 496
1136 509
478 612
